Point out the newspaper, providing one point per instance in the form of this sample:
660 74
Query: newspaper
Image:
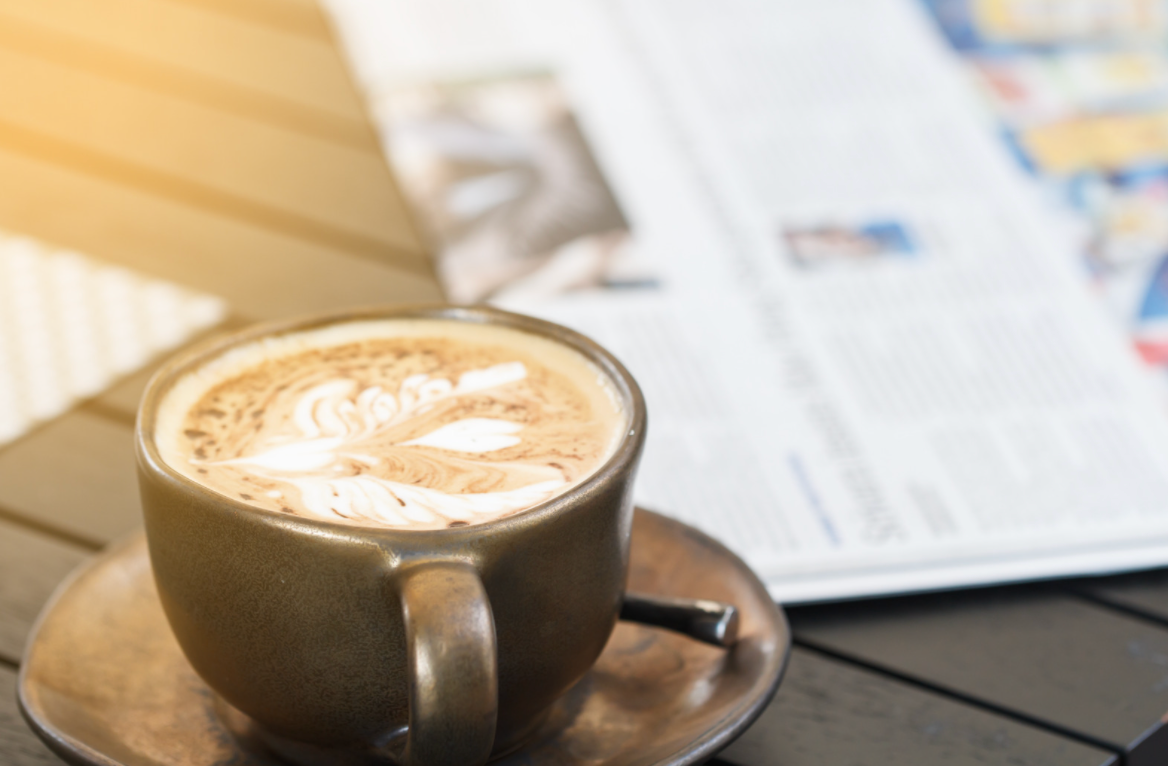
866 268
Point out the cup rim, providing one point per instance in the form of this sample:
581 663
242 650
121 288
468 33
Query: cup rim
612 470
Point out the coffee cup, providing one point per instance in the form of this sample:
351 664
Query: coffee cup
325 563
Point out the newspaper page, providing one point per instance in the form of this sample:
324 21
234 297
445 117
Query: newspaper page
871 359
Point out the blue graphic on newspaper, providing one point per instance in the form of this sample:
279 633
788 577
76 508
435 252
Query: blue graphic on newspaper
836 245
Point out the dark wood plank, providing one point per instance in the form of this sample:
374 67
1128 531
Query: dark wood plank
827 712
1032 652
218 46
18 745
262 273
31 567
76 474
289 179
115 64
1145 593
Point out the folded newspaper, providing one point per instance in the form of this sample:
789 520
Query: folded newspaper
893 274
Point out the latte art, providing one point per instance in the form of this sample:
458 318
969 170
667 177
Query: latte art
341 427
407 423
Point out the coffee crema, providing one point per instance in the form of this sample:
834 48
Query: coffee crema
407 423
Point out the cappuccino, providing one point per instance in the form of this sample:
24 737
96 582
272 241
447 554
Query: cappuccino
406 423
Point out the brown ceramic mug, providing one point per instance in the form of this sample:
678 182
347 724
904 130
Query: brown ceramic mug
364 644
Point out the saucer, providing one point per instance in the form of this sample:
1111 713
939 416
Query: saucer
104 682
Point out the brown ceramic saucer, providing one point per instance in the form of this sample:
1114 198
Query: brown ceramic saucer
103 681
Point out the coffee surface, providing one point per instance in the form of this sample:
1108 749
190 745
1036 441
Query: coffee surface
418 424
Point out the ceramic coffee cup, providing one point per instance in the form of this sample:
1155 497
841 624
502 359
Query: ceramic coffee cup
424 647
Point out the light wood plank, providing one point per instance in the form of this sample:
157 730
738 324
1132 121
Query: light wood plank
189 145
261 272
115 64
123 396
121 399
214 45
303 17
827 712
18 745
31 567
166 187
76 473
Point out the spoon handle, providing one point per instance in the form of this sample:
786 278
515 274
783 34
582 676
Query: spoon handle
710 621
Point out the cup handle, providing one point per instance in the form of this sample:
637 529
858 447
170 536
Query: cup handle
453 678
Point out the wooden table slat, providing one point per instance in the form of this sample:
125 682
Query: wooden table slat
120 400
182 35
302 17
18 745
1145 593
1035 652
75 473
261 272
162 186
177 83
827 712
31 567
123 396
235 158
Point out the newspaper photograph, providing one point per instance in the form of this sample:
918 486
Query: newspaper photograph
508 186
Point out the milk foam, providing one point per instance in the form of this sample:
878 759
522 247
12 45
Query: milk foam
341 423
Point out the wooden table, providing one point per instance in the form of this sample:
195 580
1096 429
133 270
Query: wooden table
221 144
